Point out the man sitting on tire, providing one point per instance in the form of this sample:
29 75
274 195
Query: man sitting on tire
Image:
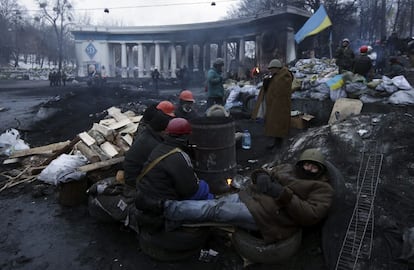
278 203
168 173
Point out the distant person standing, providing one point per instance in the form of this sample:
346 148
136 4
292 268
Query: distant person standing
344 56
64 78
275 96
215 89
155 74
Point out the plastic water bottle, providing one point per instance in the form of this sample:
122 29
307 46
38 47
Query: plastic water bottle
246 140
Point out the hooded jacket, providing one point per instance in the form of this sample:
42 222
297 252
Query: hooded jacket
303 202
215 84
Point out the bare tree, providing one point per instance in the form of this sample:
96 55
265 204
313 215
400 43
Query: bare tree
60 18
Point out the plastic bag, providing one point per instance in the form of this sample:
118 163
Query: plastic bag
401 82
10 141
63 169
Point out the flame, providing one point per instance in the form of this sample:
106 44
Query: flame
257 70
229 181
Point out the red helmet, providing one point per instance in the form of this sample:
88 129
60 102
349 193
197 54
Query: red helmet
178 126
187 95
166 107
363 49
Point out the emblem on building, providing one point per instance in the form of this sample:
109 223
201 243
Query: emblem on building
91 50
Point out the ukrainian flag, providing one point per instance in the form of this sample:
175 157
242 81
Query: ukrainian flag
335 82
314 25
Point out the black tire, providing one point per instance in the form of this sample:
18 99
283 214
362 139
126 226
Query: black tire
336 223
172 246
255 250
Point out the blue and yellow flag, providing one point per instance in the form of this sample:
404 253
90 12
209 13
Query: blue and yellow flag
335 82
314 25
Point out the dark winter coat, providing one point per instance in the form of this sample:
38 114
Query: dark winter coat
303 202
179 112
277 98
173 178
138 154
362 65
344 58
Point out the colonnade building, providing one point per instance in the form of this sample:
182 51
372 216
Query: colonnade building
135 51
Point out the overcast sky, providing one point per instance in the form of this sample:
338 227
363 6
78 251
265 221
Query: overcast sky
147 12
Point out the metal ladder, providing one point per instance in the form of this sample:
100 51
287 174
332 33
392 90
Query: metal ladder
357 243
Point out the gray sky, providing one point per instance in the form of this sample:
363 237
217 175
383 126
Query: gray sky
147 12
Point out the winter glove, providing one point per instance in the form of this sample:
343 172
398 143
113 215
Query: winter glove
275 189
263 182
265 185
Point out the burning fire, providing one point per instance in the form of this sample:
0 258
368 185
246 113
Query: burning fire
229 181
256 70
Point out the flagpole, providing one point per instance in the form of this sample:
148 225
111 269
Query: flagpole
330 44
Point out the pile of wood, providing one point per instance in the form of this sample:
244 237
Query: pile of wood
103 145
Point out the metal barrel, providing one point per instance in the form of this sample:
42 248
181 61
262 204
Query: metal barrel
214 151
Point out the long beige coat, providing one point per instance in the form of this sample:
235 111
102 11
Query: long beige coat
277 103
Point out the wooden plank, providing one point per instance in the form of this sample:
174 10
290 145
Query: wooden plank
131 129
99 137
129 114
101 164
90 154
116 113
107 122
120 124
344 108
86 138
63 150
135 119
128 139
100 152
46 149
36 170
109 149
11 161
108 133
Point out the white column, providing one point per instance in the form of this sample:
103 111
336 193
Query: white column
80 57
124 60
104 56
157 56
130 61
165 59
290 45
173 61
241 58
140 61
225 56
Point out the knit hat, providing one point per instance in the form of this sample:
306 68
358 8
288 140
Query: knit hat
159 121
149 113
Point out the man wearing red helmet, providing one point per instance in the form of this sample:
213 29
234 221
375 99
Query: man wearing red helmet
169 173
185 108
363 64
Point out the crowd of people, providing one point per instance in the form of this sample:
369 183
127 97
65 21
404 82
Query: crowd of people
159 167
371 61
57 78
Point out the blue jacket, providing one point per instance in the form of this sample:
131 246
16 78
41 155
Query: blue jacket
214 83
